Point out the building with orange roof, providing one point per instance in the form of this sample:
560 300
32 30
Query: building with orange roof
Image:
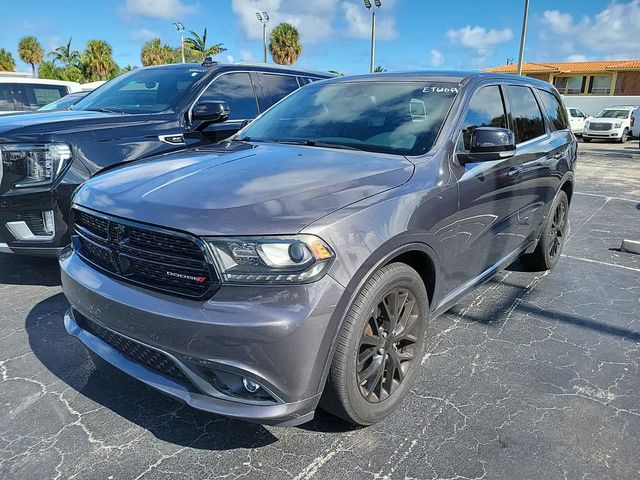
599 77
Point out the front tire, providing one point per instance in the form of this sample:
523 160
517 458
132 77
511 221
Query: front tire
625 136
549 247
379 348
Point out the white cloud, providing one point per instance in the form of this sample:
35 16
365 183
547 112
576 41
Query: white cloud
316 20
479 38
143 34
246 55
167 9
230 59
612 33
437 59
576 58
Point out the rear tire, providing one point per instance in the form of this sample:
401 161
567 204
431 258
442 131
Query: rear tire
552 239
379 347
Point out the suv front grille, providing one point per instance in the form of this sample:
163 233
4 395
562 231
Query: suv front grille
599 126
148 357
158 259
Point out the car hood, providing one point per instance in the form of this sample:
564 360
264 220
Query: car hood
257 189
37 124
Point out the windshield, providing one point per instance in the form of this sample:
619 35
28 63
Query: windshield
622 114
148 90
384 116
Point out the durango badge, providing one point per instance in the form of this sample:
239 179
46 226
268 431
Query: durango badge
200 279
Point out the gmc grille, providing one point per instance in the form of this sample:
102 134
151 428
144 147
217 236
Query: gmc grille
600 126
154 258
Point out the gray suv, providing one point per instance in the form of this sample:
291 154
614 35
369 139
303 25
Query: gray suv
298 264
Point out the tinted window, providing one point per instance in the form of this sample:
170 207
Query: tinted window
6 98
612 113
554 109
278 86
237 91
525 113
40 95
146 90
485 110
395 117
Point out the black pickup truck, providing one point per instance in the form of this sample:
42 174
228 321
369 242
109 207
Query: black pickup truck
149 111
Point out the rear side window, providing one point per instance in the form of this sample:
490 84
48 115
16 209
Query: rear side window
236 90
525 112
6 98
40 95
278 86
554 109
486 109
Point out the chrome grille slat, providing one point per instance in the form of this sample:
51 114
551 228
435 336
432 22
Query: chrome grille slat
144 255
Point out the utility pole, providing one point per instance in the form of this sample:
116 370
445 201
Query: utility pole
264 19
367 4
180 28
523 35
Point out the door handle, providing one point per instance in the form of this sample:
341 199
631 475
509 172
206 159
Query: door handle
514 172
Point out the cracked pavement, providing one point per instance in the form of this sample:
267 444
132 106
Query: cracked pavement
533 375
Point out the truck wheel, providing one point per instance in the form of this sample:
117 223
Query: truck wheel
379 348
625 136
549 247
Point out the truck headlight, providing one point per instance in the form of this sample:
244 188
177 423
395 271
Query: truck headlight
35 164
617 125
271 260
586 124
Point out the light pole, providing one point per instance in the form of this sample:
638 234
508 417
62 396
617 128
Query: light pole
263 19
378 3
180 27
523 35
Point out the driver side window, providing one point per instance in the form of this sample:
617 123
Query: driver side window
237 91
486 109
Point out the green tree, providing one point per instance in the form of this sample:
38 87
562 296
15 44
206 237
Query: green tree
197 45
155 53
379 69
335 72
7 63
65 55
98 62
127 68
31 52
285 44
51 70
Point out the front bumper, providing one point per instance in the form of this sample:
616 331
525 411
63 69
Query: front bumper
277 336
615 133
19 209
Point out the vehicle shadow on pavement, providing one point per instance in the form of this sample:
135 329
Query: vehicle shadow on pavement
18 270
163 417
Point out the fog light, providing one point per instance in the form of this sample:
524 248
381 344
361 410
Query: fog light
48 222
249 385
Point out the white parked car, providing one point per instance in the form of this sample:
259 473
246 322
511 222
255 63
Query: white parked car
613 123
576 120
19 94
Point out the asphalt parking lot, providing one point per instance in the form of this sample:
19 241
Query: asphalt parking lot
531 376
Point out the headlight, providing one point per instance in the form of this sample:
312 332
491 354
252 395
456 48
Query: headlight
290 259
617 125
586 124
35 164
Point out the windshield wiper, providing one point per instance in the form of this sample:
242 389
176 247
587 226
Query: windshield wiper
104 110
316 143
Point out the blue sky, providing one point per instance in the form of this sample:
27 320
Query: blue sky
412 34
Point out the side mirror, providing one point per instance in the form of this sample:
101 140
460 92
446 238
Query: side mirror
491 143
211 112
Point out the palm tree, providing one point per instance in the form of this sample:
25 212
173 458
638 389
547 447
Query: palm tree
127 68
379 69
31 52
65 55
335 72
285 44
154 53
198 45
7 63
98 61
